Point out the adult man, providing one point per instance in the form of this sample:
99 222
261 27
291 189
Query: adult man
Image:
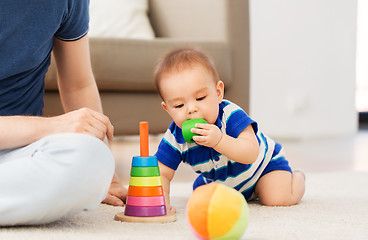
50 166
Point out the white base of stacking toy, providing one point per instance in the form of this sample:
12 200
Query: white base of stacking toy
170 217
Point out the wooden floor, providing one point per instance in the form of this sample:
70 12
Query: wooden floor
339 154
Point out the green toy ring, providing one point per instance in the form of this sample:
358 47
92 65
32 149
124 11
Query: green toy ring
144 171
187 126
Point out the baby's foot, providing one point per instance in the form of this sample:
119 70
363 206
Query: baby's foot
299 171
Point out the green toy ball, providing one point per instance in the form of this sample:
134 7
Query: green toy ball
187 126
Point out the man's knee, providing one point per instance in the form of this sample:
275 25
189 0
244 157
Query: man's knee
66 173
84 167
91 154
80 151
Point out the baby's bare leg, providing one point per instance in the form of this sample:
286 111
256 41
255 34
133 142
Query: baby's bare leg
281 188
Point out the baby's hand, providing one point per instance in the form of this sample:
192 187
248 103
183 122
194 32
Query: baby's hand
209 134
116 195
170 209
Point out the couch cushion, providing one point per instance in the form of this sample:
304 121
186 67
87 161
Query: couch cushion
204 19
128 65
120 19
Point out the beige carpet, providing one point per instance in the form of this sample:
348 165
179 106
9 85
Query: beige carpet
335 206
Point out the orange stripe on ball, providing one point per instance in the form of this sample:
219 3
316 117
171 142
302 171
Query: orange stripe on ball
197 208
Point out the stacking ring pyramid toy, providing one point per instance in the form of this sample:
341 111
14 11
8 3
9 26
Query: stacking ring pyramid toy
145 201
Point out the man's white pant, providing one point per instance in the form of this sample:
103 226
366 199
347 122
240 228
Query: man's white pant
54 177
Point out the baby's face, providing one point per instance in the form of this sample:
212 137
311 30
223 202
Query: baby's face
191 94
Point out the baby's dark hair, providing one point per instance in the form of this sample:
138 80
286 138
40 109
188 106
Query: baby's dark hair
181 59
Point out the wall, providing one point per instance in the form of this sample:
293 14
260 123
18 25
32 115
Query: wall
362 57
303 67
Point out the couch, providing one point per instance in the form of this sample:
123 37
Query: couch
123 68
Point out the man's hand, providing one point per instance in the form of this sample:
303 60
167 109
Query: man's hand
83 120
